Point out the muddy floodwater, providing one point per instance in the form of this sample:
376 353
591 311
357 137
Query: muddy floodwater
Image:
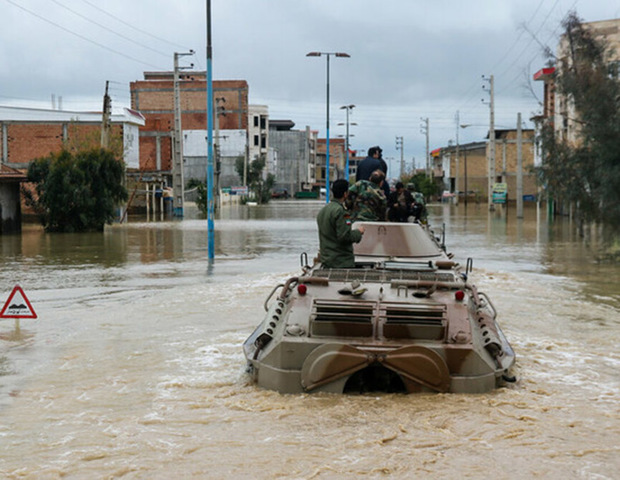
134 367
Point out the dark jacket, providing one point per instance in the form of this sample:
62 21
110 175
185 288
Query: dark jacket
399 209
336 238
366 167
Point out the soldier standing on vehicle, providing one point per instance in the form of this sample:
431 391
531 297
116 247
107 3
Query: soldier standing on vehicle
374 161
336 238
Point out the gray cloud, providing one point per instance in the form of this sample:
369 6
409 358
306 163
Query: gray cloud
409 58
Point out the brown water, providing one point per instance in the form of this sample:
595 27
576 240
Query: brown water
134 368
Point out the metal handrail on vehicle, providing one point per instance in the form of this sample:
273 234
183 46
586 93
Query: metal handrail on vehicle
488 303
271 295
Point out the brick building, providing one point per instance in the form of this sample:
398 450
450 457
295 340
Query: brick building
30 133
154 98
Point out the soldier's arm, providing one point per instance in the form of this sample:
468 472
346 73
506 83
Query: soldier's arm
344 233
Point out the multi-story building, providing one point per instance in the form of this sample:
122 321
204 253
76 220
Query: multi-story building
294 154
558 110
258 133
154 98
337 160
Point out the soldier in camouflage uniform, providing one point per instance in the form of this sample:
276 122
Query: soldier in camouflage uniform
366 200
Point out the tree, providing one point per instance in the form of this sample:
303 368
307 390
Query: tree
586 172
76 192
259 188
421 184
202 201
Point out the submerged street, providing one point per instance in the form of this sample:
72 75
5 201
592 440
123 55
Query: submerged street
134 367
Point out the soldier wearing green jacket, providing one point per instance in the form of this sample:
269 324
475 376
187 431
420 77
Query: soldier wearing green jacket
336 238
366 200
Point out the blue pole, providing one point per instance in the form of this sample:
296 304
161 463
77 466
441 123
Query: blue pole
346 169
210 201
327 141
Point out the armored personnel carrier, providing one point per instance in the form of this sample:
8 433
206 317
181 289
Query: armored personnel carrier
405 319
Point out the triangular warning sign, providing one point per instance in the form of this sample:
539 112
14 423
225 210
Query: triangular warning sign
18 305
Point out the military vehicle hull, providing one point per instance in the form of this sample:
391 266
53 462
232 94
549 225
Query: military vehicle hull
405 319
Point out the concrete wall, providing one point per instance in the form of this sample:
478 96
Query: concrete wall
292 157
232 146
131 142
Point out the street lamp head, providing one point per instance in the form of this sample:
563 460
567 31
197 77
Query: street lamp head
347 106
313 54
342 54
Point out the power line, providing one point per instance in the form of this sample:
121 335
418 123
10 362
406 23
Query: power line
84 17
133 26
81 36
464 103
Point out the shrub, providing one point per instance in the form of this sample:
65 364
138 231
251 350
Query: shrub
76 192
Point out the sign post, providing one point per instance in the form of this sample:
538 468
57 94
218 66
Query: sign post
17 305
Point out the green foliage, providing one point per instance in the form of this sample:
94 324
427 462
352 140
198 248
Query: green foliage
201 190
586 172
422 184
260 189
76 192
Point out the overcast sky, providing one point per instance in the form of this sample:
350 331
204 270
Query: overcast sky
410 59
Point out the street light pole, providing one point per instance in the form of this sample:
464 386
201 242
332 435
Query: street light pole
210 200
348 108
327 54
456 177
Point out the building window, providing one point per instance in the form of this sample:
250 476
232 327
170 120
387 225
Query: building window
263 122
263 141
256 120
256 140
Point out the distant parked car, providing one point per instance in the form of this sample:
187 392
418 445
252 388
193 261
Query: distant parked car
280 193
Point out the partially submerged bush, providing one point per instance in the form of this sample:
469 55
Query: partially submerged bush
76 192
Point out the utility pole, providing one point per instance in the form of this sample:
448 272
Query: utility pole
400 146
348 108
105 120
178 186
519 168
456 175
491 159
210 203
425 130
217 145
